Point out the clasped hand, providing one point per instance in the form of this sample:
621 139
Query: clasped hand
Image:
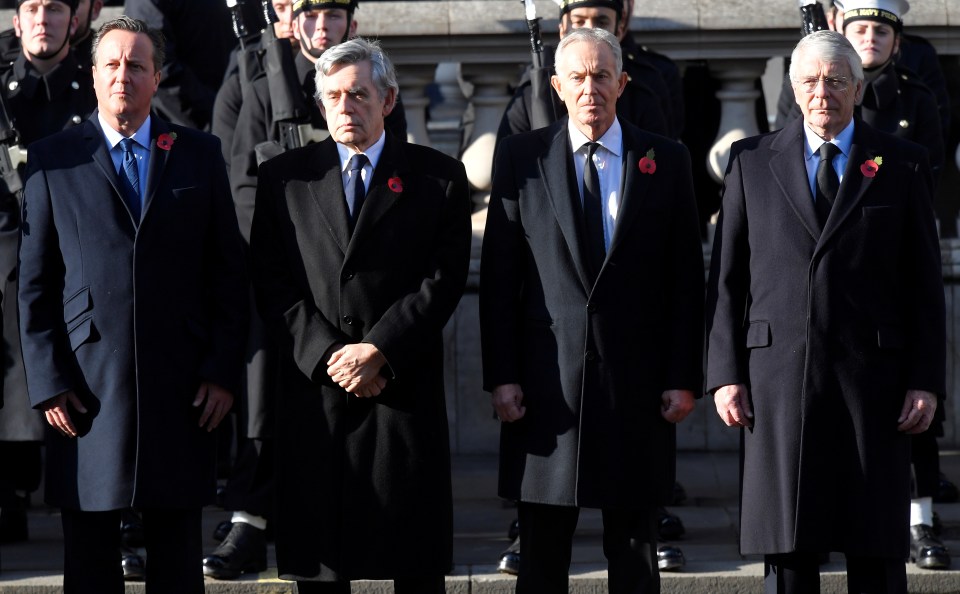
356 369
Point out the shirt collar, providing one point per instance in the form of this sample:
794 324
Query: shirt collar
612 139
372 153
844 141
141 136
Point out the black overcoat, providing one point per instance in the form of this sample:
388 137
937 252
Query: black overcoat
363 484
131 318
828 331
592 358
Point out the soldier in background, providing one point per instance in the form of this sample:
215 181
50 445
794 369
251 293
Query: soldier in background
44 90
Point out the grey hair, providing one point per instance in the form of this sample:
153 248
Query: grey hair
594 36
828 46
355 51
125 23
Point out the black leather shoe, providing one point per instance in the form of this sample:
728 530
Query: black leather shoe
222 530
669 526
670 558
133 566
926 550
244 550
510 558
947 492
13 521
679 495
514 531
131 529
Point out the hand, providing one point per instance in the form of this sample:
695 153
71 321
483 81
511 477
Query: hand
677 404
356 369
55 409
917 413
218 404
506 401
733 405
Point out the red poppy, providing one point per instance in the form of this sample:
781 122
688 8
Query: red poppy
165 141
869 168
395 184
648 165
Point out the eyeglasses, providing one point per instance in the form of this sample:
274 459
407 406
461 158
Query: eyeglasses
832 83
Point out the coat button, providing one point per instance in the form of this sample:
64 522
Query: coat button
348 320
590 356
13 85
76 119
347 276
591 307
75 86
904 124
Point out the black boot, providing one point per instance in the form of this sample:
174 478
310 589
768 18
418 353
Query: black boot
670 558
244 550
926 550
510 558
133 566
669 526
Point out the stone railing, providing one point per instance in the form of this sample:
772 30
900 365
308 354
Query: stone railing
470 51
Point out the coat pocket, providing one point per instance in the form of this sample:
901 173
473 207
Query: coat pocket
82 333
758 334
75 306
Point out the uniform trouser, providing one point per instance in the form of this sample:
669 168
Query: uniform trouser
799 573
426 585
91 542
925 455
629 544
251 486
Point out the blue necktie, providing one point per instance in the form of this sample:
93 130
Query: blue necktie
131 188
355 191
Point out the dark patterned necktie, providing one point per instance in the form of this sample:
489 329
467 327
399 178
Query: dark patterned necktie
131 175
827 182
355 191
593 212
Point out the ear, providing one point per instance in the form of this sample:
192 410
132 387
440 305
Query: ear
622 83
555 83
95 9
295 27
74 23
858 95
16 25
564 26
896 45
389 102
353 29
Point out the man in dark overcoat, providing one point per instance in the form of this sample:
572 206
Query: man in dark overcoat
133 314
360 247
590 313
825 319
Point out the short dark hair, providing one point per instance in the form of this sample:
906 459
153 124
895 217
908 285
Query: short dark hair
125 23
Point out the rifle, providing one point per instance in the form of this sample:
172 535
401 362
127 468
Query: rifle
11 154
542 110
812 18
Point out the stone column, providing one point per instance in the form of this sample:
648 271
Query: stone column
413 80
490 84
446 117
738 95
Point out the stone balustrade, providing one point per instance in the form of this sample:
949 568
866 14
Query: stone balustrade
470 51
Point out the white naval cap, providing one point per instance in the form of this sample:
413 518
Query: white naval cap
885 11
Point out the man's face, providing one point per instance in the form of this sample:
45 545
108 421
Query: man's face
283 28
593 18
124 76
84 16
43 27
319 30
875 42
353 107
587 82
826 108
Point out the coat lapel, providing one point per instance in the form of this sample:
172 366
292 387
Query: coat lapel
380 197
635 186
854 183
158 159
789 170
559 179
96 145
328 182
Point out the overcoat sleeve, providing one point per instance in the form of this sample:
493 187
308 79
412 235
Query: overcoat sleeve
728 285
43 334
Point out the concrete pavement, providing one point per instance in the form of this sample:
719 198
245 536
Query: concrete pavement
710 514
